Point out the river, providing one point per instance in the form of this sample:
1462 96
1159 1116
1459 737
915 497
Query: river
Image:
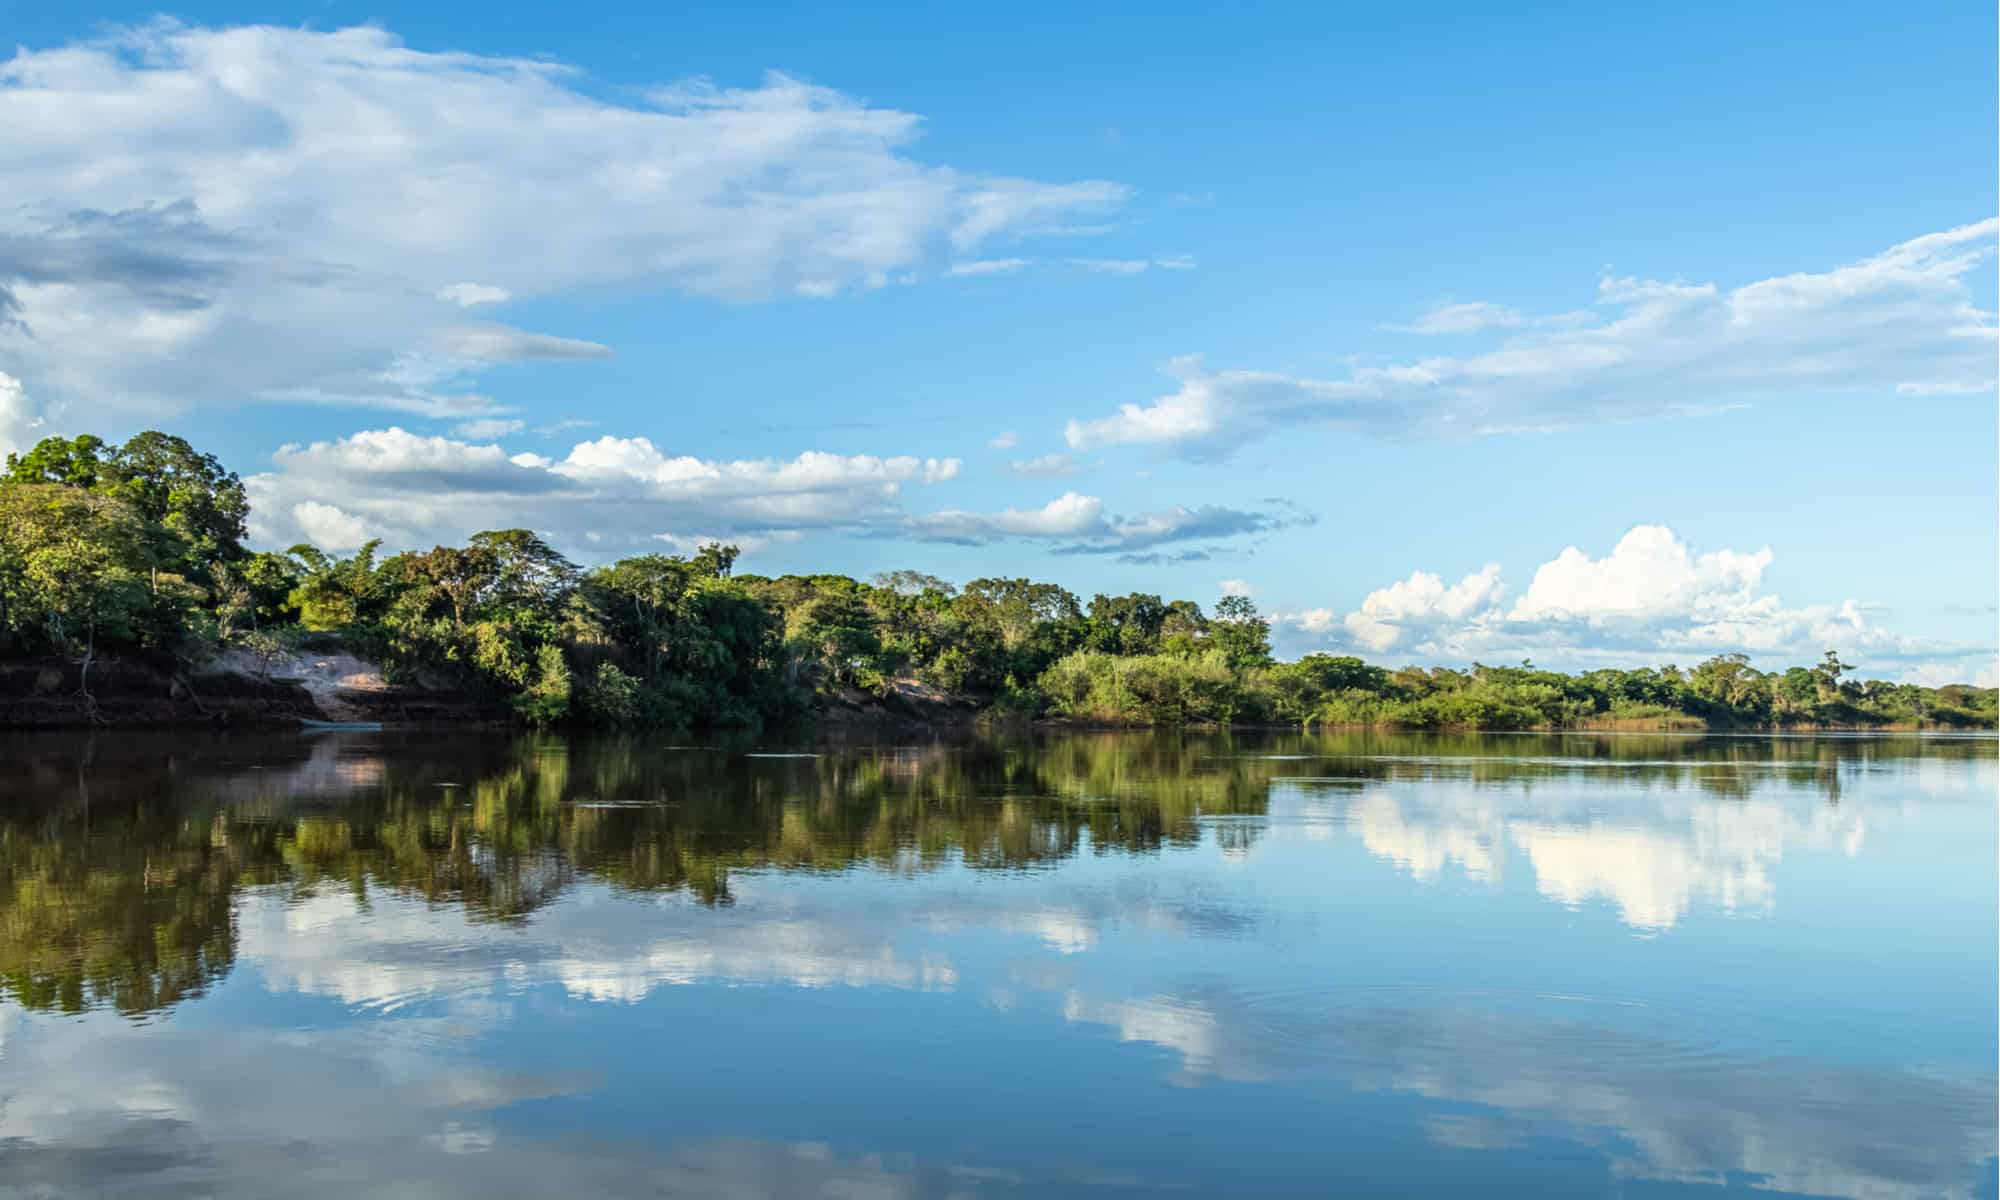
450 963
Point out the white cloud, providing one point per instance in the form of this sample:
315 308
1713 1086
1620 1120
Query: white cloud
1649 572
1473 317
1134 266
1977 671
691 543
1420 602
1047 466
637 459
615 495
988 266
1081 526
1903 320
1067 516
504 344
328 526
19 421
1028 209
415 490
1236 587
1004 441
289 214
467 295
1652 595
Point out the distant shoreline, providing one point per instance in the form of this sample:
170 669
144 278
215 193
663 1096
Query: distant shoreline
43 693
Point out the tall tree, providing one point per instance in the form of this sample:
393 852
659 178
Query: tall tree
1240 633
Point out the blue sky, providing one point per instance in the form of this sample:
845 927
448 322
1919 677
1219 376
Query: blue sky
1394 296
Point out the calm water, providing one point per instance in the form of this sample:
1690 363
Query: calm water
387 964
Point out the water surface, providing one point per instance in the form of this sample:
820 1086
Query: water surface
1128 965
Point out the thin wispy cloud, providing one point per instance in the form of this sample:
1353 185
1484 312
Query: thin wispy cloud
1079 524
1904 320
988 266
1133 266
1047 466
1475 317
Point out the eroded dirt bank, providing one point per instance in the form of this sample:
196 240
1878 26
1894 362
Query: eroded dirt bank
55 693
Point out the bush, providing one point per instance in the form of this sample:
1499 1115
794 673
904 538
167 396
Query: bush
270 644
610 698
546 700
1147 688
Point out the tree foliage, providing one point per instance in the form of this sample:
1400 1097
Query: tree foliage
139 547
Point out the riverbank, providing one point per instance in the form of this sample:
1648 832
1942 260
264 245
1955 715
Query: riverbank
238 689
52 693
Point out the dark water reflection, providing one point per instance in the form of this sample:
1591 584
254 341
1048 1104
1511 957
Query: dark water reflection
1272 964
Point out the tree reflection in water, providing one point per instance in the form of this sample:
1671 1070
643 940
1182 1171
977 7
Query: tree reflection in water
121 856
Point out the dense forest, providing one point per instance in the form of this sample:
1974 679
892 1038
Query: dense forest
137 550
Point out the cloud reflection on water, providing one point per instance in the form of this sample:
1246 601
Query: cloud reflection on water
1117 907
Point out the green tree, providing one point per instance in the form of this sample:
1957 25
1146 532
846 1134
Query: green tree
335 593
187 493
1826 677
1126 624
913 583
76 462
72 567
1243 637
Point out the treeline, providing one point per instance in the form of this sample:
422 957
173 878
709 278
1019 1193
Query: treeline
138 549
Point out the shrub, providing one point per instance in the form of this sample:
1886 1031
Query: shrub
546 700
611 697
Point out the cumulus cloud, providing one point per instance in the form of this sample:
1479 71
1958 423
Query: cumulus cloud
329 526
1067 516
615 495
19 421
411 489
1005 440
1903 320
1650 572
261 212
1652 595
1421 601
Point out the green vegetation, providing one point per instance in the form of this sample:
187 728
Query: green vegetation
139 549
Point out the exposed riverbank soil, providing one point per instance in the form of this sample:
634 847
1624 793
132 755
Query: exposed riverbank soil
52 693
907 702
